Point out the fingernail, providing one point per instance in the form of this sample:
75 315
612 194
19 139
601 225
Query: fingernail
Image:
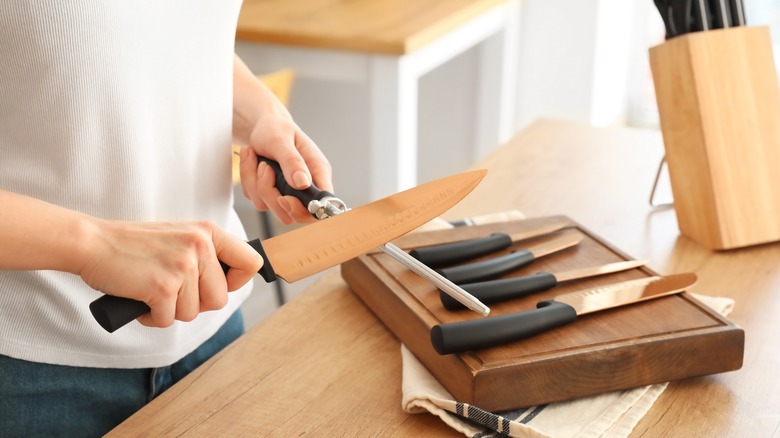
285 204
261 169
301 179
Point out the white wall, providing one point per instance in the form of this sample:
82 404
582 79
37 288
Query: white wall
573 64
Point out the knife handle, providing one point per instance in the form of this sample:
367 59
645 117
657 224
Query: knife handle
457 337
113 312
312 193
494 291
487 269
449 253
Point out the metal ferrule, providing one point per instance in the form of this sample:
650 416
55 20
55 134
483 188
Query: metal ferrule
327 207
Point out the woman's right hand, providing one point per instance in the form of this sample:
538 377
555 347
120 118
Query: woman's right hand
173 267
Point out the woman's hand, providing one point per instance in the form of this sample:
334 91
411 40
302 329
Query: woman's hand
173 267
263 126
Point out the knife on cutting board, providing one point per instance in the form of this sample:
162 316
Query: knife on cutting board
492 268
450 253
477 334
318 246
494 291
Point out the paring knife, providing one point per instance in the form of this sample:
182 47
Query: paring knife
494 291
451 253
492 268
471 335
318 246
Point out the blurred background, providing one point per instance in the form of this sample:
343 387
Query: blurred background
579 60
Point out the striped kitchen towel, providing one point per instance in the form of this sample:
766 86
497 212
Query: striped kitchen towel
611 415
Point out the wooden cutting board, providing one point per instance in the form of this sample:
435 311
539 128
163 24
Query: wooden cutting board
666 339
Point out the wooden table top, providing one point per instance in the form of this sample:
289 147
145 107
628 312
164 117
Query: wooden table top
375 26
323 365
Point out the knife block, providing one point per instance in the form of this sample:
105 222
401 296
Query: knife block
719 107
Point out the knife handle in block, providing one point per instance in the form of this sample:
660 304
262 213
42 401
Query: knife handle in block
458 337
487 269
449 253
312 193
113 312
494 291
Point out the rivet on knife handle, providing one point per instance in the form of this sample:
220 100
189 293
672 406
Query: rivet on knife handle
113 312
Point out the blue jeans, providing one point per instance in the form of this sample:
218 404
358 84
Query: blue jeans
52 400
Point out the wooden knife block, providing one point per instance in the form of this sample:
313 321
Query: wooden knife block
719 106
665 339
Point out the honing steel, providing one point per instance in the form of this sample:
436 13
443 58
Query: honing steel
495 267
450 253
471 335
503 289
318 246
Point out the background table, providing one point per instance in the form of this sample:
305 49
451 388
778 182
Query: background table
323 365
388 45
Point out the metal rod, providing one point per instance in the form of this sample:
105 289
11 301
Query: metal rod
446 286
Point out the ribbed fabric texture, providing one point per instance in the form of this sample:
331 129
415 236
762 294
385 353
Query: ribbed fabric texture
121 110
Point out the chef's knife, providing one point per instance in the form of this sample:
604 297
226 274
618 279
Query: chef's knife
450 253
494 291
471 335
315 247
322 205
492 268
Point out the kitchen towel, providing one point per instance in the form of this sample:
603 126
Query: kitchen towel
612 415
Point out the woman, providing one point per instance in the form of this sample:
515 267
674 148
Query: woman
116 120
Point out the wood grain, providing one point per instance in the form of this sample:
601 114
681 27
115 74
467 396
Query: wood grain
374 26
666 339
719 107
323 365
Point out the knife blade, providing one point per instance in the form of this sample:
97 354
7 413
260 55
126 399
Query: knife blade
471 335
318 246
491 268
323 205
494 291
450 253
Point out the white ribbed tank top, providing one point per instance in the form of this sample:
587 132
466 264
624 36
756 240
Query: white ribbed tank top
121 110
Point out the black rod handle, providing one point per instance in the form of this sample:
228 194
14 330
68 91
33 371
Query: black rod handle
305 196
113 312
487 269
450 253
458 337
495 291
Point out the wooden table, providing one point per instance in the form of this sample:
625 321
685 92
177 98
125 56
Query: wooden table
388 45
322 365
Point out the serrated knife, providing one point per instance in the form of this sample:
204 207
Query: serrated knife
471 335
321 245
503 289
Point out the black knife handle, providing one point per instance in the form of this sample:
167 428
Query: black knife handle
457 337
113 312
487 269
307 195
449 253
494 291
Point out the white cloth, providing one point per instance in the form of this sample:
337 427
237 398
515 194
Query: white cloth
612 415
121 110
